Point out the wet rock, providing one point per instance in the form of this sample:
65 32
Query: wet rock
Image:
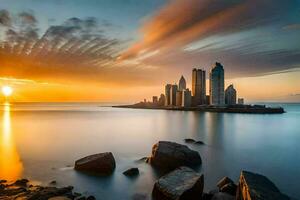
90 198
189 140
132 172
170 155
224 181
102 163
229 188
199 142
21 182
222 196
254 186
181 184
207 196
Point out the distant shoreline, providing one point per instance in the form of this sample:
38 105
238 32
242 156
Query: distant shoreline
249 109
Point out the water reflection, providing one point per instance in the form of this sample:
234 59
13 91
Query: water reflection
10 164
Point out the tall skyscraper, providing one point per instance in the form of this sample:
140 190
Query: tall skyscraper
199 86
174 89
182 84
168 94
216 86
230 95
186 98
179 94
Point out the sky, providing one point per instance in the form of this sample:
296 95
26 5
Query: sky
127 50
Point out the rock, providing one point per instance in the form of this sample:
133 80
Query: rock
132 172
90 198
53 183
189 140
199 142
3 181
170 155
102 163
21 182
181 184
222 196
207 196
254 186
59 198
229 188
224 181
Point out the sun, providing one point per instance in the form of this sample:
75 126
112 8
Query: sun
7 90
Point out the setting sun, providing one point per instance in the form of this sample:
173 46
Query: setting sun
7 91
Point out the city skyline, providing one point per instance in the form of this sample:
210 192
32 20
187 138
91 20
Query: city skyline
120 51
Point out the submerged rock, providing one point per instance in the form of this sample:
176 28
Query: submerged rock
189 140
132 172
257 187
181 184
199 142
170 155
102 163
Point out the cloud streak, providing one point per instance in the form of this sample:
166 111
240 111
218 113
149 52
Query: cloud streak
181 23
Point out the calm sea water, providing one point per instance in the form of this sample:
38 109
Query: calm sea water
42 141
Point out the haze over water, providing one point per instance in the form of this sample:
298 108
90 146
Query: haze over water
42 141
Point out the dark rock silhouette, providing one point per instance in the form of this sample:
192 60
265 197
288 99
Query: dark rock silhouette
189 140
102 163
131 172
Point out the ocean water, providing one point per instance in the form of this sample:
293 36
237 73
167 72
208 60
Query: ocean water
41 142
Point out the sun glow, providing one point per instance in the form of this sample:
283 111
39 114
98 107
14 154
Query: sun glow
7 90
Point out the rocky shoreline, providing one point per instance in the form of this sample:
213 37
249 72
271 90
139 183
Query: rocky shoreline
179 180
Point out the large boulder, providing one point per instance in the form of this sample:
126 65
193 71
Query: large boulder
257 187
102 163
170 155
181 184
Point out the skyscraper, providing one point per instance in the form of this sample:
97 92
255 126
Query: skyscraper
216 86
198 86
186 98
174 89
182 84
230 95
168 94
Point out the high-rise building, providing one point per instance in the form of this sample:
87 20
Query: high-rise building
182 84
174 89
241 101
198 86
230 95
162 100
186 98
168 94
216 86
155 100
179 94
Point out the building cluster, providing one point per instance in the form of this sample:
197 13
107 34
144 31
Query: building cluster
180 96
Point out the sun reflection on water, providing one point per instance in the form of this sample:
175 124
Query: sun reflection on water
10 164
